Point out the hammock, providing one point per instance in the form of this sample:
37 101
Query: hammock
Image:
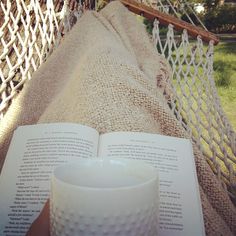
30 30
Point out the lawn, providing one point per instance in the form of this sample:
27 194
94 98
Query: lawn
225 77
201 119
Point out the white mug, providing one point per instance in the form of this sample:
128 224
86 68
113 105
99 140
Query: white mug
104 197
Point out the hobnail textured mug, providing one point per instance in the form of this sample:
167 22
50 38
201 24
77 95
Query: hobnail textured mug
104 197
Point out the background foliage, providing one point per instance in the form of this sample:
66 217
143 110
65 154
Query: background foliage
220 19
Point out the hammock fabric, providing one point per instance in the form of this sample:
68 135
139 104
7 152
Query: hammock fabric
106 74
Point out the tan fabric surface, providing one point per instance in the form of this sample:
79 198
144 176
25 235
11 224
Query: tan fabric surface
105 75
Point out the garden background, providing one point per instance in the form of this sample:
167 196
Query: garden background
219 16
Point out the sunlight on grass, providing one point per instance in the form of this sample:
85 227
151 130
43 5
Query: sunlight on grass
225 77
195 102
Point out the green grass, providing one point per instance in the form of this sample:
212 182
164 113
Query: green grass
225 77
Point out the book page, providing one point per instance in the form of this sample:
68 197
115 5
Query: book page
33 154
180 211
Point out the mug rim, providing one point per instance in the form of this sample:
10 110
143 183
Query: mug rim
153 173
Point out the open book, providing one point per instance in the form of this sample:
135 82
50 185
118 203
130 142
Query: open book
36 150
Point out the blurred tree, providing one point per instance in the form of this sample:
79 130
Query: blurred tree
217 16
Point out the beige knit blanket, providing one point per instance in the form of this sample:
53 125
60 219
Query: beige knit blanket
104 75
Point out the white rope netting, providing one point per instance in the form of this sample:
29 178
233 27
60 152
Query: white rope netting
27 34
195 101
29 30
